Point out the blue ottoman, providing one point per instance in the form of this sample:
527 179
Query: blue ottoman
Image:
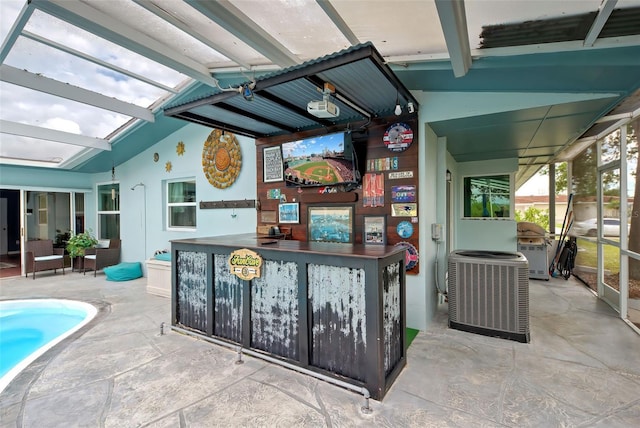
165 257
123 271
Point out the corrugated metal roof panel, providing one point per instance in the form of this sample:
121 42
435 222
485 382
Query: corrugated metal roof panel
622 22
235 120
365 87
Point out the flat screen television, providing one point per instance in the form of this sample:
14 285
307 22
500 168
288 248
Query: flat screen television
324 160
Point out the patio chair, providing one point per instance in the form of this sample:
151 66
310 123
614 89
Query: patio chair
99 258
40 256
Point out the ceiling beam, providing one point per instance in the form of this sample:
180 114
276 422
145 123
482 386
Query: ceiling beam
337 20
15 128
454 26
604 11
95 60
256 117
240 25
612 117
208 41
212 123
64 90
16 29
84 16
435 61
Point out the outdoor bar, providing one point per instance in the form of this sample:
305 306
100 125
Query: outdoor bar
333 309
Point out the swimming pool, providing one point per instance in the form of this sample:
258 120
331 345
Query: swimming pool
28 328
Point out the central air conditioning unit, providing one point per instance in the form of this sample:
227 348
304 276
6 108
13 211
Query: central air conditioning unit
323 109
489 293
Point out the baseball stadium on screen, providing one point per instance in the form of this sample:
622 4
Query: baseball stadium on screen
320 161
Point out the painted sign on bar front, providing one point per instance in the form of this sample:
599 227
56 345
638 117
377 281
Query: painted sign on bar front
245 264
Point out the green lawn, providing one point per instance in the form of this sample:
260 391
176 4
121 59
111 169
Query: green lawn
587 255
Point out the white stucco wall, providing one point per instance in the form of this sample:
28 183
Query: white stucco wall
422 293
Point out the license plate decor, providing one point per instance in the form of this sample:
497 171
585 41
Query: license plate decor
403 193
404 210
400 174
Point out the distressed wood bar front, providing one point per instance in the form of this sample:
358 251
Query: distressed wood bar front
335 309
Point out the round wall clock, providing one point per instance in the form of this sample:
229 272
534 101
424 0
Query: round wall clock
221 159
398 137
156 157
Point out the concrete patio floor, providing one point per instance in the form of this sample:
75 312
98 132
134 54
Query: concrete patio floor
581 369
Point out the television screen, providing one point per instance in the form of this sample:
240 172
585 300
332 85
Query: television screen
324 160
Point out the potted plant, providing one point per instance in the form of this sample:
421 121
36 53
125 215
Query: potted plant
78 243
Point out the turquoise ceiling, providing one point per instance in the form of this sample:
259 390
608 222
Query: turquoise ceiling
535 134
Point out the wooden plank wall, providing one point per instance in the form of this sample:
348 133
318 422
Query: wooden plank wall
267 211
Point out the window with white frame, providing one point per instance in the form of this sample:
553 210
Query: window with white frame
108 211
487 196
181 204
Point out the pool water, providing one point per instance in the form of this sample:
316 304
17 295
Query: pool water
28 328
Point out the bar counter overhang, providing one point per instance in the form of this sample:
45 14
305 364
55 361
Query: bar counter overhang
334 309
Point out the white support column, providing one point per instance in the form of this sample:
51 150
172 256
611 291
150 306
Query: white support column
624 220
552 198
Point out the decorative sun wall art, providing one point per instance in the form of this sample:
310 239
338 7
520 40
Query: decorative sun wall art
180 148
168 166
221 159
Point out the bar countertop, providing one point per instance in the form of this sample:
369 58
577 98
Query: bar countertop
259 243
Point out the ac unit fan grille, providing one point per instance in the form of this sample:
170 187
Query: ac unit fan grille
489 296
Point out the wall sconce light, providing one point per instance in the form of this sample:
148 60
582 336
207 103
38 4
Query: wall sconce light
410 107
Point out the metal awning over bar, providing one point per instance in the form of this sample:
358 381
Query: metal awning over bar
361 85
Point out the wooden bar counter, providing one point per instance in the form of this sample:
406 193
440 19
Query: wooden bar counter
334 309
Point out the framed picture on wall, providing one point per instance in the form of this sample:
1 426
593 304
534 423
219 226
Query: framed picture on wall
330 223
272 164
373 231
289 213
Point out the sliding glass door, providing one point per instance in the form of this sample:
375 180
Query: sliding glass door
51 215
48 216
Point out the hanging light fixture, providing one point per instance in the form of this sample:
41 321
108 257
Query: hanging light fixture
398 110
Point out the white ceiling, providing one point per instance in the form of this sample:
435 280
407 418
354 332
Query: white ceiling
75 74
